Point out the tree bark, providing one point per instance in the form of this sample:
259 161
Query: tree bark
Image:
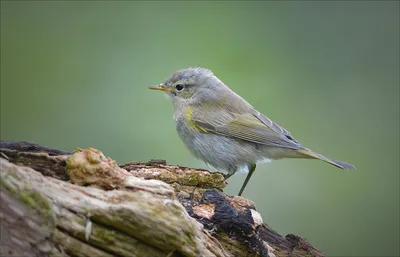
56 203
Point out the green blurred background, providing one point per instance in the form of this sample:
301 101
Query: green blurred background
75 74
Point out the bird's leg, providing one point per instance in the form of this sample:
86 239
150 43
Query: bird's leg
252 168
230 173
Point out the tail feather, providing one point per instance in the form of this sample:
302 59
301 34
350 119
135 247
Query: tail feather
310 154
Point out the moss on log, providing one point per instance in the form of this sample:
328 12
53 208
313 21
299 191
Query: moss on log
56 203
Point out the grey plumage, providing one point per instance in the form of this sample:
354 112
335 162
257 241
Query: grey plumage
222 129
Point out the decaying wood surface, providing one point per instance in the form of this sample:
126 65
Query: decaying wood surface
57 203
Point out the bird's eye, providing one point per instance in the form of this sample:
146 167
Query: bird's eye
179 87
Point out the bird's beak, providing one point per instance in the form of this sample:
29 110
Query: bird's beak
161 88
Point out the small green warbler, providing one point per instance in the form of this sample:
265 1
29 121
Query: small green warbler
222 129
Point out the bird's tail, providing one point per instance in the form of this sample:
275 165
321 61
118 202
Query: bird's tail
307 153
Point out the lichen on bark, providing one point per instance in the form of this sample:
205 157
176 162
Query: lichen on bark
84 204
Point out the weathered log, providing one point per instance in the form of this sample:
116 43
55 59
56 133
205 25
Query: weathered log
84 204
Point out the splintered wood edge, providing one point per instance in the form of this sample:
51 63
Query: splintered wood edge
176 230
187 194
176 174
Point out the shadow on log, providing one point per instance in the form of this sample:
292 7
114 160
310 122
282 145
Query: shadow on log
56 203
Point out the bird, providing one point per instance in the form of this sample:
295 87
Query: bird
222 129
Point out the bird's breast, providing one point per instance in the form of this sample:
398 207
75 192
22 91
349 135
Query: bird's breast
221 152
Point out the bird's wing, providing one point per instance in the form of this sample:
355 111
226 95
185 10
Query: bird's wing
251 126
275 127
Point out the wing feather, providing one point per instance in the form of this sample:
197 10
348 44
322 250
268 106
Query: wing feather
250 126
